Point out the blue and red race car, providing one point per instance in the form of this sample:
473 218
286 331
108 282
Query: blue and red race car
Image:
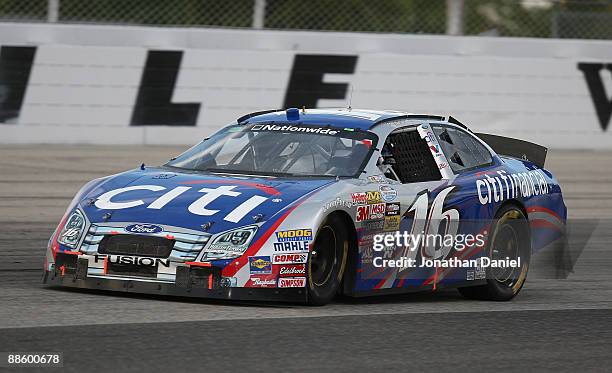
302 205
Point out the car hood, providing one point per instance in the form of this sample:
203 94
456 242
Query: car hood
134 196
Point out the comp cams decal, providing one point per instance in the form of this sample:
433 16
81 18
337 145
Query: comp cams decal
299 258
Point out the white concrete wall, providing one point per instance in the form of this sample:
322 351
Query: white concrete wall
84 81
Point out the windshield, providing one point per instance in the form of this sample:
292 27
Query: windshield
281 150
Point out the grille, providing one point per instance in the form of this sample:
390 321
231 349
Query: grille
135 245
122 269
184 245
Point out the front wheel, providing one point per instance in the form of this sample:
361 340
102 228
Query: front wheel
510 239
326 261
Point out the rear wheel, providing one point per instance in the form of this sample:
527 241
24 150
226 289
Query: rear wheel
326 261
510 239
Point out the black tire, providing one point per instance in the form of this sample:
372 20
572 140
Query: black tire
327 261
510 238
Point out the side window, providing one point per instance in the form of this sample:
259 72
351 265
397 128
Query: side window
406 158
461 149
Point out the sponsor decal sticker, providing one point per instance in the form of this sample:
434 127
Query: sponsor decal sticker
370 212
292 282
260 264
110 200
369 197
298 258
392 223
380 179
338 202
293 246
503 186
387 193
373 226
292 128
262 282
392 209
291 270
363 212
294 235
374 196
143 228
377 211
359 198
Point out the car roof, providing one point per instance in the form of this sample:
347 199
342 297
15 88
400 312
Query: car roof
361 119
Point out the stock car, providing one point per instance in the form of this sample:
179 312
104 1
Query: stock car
301 205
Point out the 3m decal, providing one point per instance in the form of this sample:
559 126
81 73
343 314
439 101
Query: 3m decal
260 265
363 213
370 212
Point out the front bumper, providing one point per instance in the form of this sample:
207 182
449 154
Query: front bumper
190 282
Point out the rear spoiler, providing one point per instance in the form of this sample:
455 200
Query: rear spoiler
526 150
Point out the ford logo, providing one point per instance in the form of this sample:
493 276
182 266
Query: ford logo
144 228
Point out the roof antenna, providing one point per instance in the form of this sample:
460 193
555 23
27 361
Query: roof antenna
350 99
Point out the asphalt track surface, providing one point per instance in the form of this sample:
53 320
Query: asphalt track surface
553 325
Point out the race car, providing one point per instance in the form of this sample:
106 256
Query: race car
302 205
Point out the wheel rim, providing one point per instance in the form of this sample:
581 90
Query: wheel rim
323 257
507 244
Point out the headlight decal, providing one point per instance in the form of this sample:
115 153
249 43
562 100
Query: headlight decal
71 233
230 244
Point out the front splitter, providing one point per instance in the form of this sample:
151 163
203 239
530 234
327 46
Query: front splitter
291 295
